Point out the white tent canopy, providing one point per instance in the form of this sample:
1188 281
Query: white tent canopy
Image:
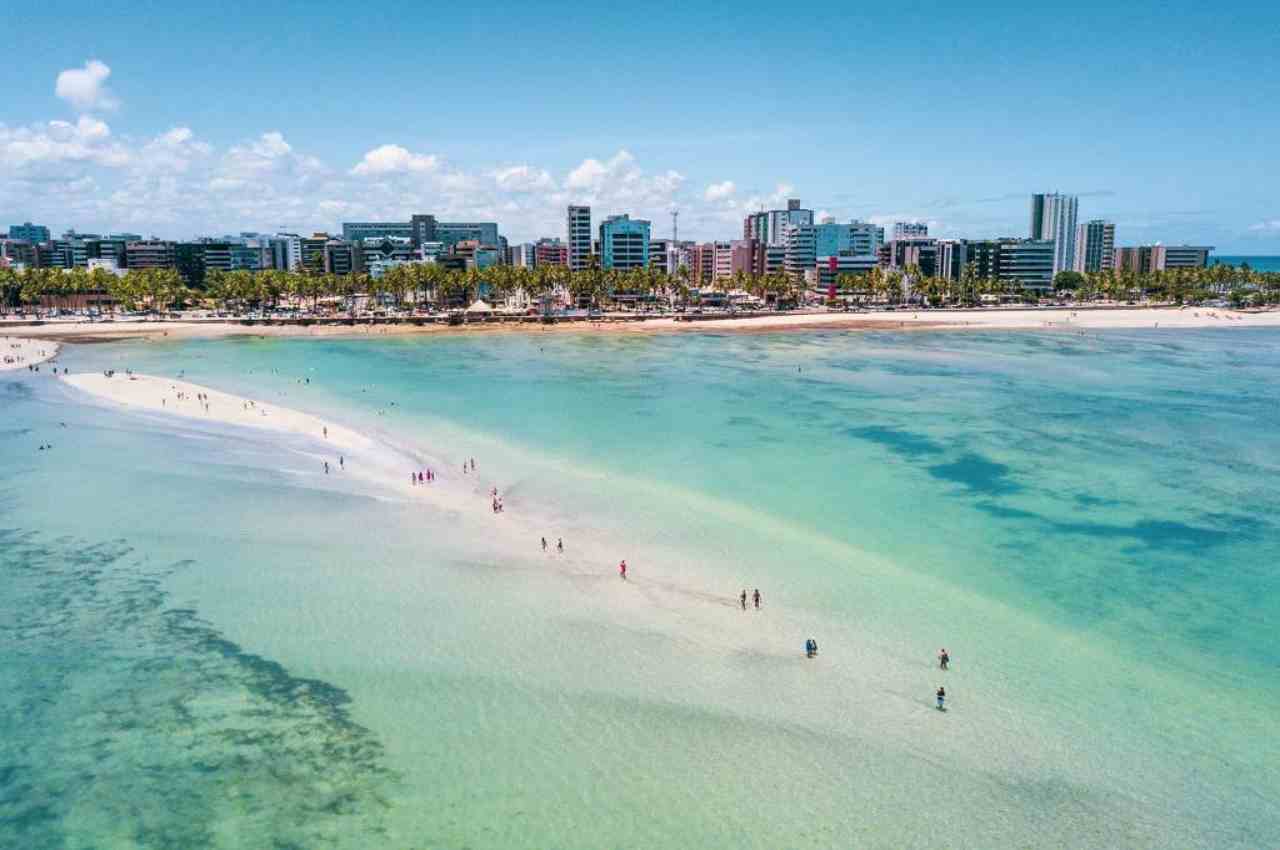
479 307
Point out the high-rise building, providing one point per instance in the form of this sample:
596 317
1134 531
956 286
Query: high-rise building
188 259
1158 258
353 230
746 256
578 237
910 230
1165 257
800 243
1053 216
624 242
550 252
311 251
521 256
17 253
769 226
1027 262
952 257
827 270
722 264
702 264
388 252
914 253
658 250
1133 258
1095 246
855 238
981 256
340 257
29 232
424 228
668 255
233 255
452 232
149 254
286 251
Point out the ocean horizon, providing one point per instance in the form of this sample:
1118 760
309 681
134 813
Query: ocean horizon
1264 263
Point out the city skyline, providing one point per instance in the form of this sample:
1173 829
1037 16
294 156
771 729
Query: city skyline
112 132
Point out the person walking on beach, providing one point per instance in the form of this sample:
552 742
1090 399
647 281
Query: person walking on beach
742 598
943 658
560 545
756 597
326 467
544 544
622 569
342 461
942 697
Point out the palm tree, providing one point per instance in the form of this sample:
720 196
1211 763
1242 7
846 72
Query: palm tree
10 289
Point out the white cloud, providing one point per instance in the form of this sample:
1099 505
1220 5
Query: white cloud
1266 227
781 194
84 87
719 191
88 141
267 155
592 173
174 150
394 159
81 174
522 178
271 145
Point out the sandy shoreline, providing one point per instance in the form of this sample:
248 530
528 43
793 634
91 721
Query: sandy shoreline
179 398
1064 319
20 352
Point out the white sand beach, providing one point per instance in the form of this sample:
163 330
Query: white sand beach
180 398
991 318
21 352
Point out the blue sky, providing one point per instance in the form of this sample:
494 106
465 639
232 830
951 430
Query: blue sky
177 119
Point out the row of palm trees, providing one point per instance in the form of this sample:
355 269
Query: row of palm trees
421 284
1179 286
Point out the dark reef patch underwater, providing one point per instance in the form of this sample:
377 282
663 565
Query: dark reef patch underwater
125 722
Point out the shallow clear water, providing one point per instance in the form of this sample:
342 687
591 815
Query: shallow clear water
210 643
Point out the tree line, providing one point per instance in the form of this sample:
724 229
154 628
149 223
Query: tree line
163 289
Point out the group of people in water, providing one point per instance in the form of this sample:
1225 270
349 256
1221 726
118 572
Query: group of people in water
811 651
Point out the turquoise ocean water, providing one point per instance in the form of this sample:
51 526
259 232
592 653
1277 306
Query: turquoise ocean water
1260 264
205 641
